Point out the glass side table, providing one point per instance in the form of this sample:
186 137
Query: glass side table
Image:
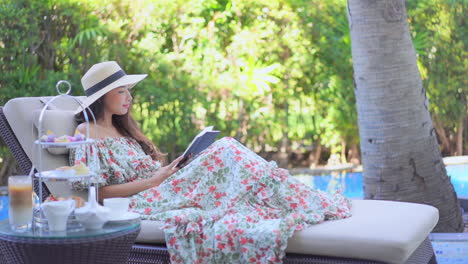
112 244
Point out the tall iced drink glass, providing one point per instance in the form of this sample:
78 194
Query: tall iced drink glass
20 210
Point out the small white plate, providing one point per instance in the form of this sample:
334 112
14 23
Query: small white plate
124 217
59 175
63 144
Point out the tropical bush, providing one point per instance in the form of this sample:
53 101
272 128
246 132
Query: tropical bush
277 75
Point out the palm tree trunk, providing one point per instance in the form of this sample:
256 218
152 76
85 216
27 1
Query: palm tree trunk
400 153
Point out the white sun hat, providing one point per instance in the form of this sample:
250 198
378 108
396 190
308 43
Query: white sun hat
102 78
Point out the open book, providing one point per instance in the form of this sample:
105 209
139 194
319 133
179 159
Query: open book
202 141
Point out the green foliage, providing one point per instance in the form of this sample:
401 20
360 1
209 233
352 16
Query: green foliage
259 71
439 33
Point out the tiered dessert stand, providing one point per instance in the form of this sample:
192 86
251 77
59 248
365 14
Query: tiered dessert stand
40 222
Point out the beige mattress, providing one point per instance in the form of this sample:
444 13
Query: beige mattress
378 230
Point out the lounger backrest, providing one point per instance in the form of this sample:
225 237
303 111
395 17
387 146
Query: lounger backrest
22 115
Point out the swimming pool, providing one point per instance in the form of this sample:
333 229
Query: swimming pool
351 183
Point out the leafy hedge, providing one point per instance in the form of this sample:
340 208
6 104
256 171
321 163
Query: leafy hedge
275 74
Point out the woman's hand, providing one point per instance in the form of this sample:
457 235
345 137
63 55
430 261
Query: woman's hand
166 171
131 188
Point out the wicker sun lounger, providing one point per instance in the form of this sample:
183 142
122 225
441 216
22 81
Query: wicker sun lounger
378 231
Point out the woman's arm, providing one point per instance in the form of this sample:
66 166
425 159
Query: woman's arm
131 188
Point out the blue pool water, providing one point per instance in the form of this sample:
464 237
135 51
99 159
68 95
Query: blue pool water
459 177
3 207
351 183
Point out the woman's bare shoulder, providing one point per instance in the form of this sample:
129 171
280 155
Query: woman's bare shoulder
92 129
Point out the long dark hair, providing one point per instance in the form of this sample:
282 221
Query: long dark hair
126 125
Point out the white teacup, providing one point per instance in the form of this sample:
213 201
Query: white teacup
118 206
57 214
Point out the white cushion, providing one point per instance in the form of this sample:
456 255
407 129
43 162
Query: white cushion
151 232
378 230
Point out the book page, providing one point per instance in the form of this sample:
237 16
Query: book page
208 128
202 141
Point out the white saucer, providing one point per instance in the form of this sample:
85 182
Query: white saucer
124 217
64 144
61 175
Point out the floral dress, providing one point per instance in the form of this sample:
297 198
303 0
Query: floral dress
228 205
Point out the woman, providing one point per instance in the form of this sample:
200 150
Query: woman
227 205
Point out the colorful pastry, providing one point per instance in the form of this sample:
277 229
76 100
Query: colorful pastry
64 168
79 137
62 139
50 137
79 202
81 169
